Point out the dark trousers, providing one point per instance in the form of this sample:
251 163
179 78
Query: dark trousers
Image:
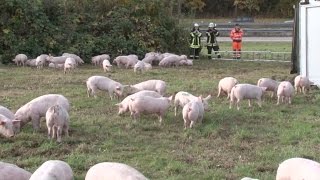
194 53
215 48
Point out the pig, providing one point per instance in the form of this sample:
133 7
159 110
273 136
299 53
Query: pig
302 84
149 105
182 98
299 169
42 60
97 60
285 92
57 60
20 59
147 66
57 120
7 113
246 91
193 111
172 60
270 84
37 108
69 64
152 85
106 65
226 84
121 61
131 62
139 66
31 62
113 170
53 170
77 59
124 105
57 66
104 84
12 172
7 128
187 62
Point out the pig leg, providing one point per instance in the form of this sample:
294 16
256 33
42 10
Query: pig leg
228 95
66 130
59 132
249 101
185 123
259 102
93 91
231 102
88 91
304 90
49 132
219 92
191 124
289 99
35 122
175 110
238 107
278 101
160 118
54 132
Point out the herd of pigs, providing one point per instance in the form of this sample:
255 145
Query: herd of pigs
143 98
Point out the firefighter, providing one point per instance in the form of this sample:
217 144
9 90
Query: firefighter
212 43
236 36
195 42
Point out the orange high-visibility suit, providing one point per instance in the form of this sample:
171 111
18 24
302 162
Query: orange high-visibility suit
236 36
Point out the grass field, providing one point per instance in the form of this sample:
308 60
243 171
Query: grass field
230 144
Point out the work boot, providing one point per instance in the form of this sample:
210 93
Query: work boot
219 56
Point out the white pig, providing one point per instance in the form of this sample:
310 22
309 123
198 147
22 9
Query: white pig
113 171
149 105
192 112
12 172
298 169
270 84
285 92
246 91
302 84
69 64
57 120
104 84
37 108
7 113
182 98
152 85
106 65
124 105
7 128
147 66
226 84
53 170
139 66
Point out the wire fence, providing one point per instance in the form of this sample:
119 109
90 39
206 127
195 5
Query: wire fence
258 56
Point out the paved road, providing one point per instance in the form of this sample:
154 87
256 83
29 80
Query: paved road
259 39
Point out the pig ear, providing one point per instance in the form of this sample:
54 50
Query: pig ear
264 88
119 104
118 88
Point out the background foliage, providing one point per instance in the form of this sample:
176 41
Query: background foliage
87 28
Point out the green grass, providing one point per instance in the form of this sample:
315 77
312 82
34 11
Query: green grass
230 144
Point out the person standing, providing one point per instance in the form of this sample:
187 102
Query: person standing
236 36
212 43
195 42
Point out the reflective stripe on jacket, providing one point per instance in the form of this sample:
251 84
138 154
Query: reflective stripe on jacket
236 35
212 37
195 39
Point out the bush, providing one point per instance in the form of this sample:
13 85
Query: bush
34 27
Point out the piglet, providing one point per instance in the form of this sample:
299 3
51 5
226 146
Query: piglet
246 91
285 92
192 112
270 84
104 84
302 84
226 84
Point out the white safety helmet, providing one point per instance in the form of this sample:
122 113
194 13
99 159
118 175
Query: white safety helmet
196 25
212 25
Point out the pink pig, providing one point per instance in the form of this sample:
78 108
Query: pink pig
285 91
226 84
302 83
